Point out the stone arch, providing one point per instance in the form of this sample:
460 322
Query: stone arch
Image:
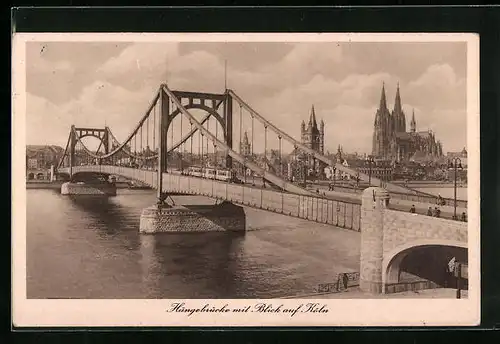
40 176
31 176
393 259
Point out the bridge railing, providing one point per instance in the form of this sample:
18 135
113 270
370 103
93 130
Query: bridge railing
407 197
338 213
342 214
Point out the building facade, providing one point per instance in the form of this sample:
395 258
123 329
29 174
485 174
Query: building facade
391 141
39 160
376 168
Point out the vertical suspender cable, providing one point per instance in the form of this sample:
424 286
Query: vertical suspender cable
142 152
216 162
154 128
191 141
208 121
280 161
265 154
253 174
241 139
181 146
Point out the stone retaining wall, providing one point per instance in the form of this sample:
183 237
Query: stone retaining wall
88 189
196 218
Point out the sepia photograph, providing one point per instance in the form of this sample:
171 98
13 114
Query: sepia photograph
264 179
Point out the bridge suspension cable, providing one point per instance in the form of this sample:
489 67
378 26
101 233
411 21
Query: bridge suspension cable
229 151
312 152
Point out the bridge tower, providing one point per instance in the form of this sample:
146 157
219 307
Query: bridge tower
79 133
374 201
210 103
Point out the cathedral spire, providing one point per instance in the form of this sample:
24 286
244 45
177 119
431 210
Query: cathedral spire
312 118
383 101
397 103
413 124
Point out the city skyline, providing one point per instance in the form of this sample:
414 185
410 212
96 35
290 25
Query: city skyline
85 84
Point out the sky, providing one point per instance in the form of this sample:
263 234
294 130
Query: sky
106 83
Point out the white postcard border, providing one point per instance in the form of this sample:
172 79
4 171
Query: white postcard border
342 312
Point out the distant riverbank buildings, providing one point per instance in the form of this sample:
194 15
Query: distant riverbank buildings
391 141
40 158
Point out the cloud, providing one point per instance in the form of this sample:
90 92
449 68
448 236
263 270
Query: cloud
46 123
438 87
282 91
139 65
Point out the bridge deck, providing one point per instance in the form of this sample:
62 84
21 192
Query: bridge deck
339 213
334 208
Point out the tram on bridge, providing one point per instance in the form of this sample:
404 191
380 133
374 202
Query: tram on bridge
224 174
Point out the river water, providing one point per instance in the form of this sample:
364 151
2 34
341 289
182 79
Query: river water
89 247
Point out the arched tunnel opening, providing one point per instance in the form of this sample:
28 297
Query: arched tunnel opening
427 263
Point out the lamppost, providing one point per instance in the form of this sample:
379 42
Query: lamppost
370 161
455 163
334 176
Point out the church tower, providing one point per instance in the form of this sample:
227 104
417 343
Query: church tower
413 124
398 114
313 136
381 127
245 146
321 137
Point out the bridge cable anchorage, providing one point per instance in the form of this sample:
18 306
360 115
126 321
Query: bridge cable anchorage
317 155
233 154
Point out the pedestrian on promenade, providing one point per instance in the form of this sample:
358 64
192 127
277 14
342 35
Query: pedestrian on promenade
429 211
412 209
437 212
345 279
463 217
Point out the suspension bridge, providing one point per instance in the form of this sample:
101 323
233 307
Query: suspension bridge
159 151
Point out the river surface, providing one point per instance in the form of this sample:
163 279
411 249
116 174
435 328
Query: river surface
89 247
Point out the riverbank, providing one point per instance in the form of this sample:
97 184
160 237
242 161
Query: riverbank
43 185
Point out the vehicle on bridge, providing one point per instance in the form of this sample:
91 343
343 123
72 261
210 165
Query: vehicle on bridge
225 175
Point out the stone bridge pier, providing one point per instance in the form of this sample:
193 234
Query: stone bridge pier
393 240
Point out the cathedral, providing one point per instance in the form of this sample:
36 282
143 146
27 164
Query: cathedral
391 140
